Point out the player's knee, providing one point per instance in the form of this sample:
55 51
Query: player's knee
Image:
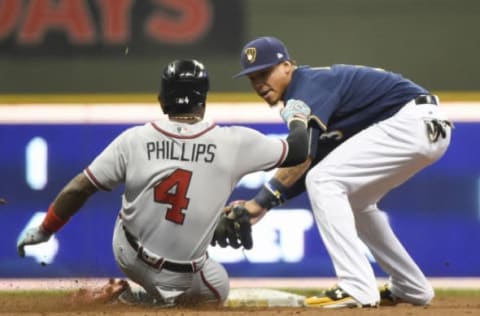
215 283
427 296
313 179
420 295
222 291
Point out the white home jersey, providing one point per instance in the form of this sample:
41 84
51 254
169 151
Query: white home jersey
178 177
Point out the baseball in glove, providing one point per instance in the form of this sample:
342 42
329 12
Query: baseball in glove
234 228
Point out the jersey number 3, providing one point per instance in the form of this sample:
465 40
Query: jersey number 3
173 190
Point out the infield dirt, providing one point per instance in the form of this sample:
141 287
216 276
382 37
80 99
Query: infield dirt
55 303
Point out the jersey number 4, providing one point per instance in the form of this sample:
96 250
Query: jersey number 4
173 190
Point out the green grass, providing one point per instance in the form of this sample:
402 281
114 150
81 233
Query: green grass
27 293
457 292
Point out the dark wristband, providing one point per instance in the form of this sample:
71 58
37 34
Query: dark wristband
271 195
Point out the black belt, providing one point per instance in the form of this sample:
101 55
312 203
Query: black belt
426 99
163 264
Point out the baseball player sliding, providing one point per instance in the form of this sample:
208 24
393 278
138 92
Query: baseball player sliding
371 131
178 174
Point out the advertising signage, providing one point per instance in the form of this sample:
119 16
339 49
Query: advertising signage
103 27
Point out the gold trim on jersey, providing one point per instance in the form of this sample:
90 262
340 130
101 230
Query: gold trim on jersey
317 120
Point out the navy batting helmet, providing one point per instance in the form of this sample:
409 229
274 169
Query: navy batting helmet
184 86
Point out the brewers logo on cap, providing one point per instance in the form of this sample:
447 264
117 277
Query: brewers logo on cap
251 54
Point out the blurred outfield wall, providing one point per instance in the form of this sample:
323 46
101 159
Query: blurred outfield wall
121 46
436 214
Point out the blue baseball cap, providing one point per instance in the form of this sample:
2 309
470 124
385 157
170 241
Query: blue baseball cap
262 53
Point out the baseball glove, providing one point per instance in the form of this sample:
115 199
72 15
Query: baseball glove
234 228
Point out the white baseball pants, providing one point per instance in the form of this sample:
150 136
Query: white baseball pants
344 189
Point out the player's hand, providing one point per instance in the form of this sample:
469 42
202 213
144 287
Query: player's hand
32 236
105 294
234 228
295 109
225 234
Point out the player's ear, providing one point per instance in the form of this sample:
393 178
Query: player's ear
288 67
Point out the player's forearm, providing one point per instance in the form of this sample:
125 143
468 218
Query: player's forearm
73 196
68 202
272 193
288 176
297 143
294 166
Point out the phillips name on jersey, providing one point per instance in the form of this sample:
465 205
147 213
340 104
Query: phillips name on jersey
171 150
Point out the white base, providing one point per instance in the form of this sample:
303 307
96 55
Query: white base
262 297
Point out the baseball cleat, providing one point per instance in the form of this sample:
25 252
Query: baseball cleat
334 298
387 298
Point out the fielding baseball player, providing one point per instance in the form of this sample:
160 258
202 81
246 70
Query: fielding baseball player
178 174
372 130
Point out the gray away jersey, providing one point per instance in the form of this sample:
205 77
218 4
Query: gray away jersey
178 177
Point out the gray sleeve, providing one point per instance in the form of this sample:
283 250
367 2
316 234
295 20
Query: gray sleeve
257 152
108 169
